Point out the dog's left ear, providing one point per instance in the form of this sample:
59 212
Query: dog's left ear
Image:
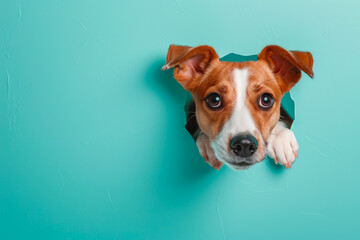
287 65
190 63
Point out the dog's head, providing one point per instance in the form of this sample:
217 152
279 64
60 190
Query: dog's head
237 103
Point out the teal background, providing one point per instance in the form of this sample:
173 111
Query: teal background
92 137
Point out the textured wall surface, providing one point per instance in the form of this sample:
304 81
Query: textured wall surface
92 138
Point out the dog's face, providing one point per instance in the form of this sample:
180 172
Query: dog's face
237 103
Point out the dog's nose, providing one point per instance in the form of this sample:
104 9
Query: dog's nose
243 145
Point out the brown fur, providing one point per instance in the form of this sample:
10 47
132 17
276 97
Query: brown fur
200 72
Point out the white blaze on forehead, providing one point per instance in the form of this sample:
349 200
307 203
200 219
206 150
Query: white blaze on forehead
240 120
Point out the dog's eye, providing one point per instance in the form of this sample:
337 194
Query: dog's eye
266 101
213 100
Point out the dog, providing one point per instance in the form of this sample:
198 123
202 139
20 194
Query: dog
238 103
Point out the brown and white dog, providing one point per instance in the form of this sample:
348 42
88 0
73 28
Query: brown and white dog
238 103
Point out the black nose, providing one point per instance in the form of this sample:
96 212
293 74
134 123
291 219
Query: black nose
243 145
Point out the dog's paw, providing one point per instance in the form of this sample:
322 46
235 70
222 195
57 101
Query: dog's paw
206 151
283 147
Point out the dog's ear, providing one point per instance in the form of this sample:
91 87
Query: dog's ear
287 65
190 63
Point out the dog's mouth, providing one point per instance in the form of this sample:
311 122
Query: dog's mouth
242 164
236 162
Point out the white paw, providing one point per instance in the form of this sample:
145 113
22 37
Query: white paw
283 147
207 152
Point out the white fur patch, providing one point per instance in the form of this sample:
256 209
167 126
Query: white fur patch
240 121
282 145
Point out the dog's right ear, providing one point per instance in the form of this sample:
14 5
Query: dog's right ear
190 63
287 65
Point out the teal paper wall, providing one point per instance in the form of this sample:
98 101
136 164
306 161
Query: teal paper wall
92 137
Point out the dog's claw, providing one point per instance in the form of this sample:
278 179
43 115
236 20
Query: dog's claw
217 165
